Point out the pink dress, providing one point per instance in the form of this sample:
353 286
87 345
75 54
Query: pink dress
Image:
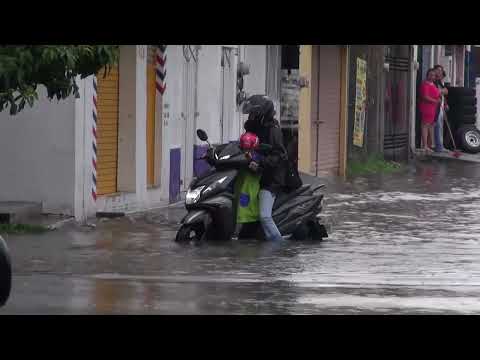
428 110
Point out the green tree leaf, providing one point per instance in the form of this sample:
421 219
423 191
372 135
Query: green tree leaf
24 67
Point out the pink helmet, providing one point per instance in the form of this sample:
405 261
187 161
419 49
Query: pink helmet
249 141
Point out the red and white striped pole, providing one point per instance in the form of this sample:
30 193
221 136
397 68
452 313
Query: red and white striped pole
161 68
94 140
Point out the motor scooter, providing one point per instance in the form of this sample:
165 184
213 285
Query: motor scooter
210 201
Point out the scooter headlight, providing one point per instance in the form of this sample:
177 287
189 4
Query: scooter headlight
193 195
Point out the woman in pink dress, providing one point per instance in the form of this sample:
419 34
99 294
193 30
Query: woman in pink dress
429 99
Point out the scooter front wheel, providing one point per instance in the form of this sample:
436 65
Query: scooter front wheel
5 273
189 233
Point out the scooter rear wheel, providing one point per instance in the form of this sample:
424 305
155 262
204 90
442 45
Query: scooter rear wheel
302 233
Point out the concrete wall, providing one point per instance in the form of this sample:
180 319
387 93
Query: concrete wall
256 56
37 154
209 80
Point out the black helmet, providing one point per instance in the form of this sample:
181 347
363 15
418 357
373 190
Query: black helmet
259 107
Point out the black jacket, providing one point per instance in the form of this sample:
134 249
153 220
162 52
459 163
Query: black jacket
274 164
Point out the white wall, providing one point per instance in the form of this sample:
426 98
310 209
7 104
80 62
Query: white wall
209 92
209 86
173 98
255 82
37 154
256 56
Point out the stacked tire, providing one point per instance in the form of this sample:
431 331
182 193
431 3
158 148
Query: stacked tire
462 116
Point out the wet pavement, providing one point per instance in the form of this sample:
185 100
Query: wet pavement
404 243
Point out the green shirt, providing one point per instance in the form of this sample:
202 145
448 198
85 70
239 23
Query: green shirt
247 187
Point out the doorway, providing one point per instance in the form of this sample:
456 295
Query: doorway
326 101
396 125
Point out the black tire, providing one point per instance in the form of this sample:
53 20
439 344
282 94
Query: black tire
317 231
461 102
460 91
302 233
189 233
464 110
5 273
463 120
468 138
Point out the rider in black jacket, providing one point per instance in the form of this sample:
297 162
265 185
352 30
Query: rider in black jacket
273 169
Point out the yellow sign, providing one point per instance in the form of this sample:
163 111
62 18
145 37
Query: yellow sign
360 103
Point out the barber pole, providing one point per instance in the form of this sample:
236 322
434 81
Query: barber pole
94 140
161 68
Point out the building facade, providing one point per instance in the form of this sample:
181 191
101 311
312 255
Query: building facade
128 143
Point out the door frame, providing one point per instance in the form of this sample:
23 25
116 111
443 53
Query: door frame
189 112
226 117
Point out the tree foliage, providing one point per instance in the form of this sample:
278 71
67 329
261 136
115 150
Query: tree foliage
24 67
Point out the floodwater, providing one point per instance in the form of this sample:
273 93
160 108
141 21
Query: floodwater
403 243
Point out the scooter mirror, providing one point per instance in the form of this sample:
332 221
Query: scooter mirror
202 135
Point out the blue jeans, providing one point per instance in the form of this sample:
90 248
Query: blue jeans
266 200
439 132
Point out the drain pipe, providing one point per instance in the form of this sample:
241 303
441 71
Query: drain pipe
196 113
414 66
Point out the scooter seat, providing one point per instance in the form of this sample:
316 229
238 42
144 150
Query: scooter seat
284 197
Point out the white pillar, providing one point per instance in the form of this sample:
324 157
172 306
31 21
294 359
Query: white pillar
127 120
80 195
141 124
88 204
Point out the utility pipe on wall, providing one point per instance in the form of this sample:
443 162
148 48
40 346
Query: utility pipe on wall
413 95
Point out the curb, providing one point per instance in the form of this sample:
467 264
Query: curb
449 156
57 225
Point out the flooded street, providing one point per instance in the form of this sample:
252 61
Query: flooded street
404 243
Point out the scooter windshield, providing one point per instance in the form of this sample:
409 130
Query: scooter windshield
231 149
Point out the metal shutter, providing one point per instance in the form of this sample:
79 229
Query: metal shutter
107 131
